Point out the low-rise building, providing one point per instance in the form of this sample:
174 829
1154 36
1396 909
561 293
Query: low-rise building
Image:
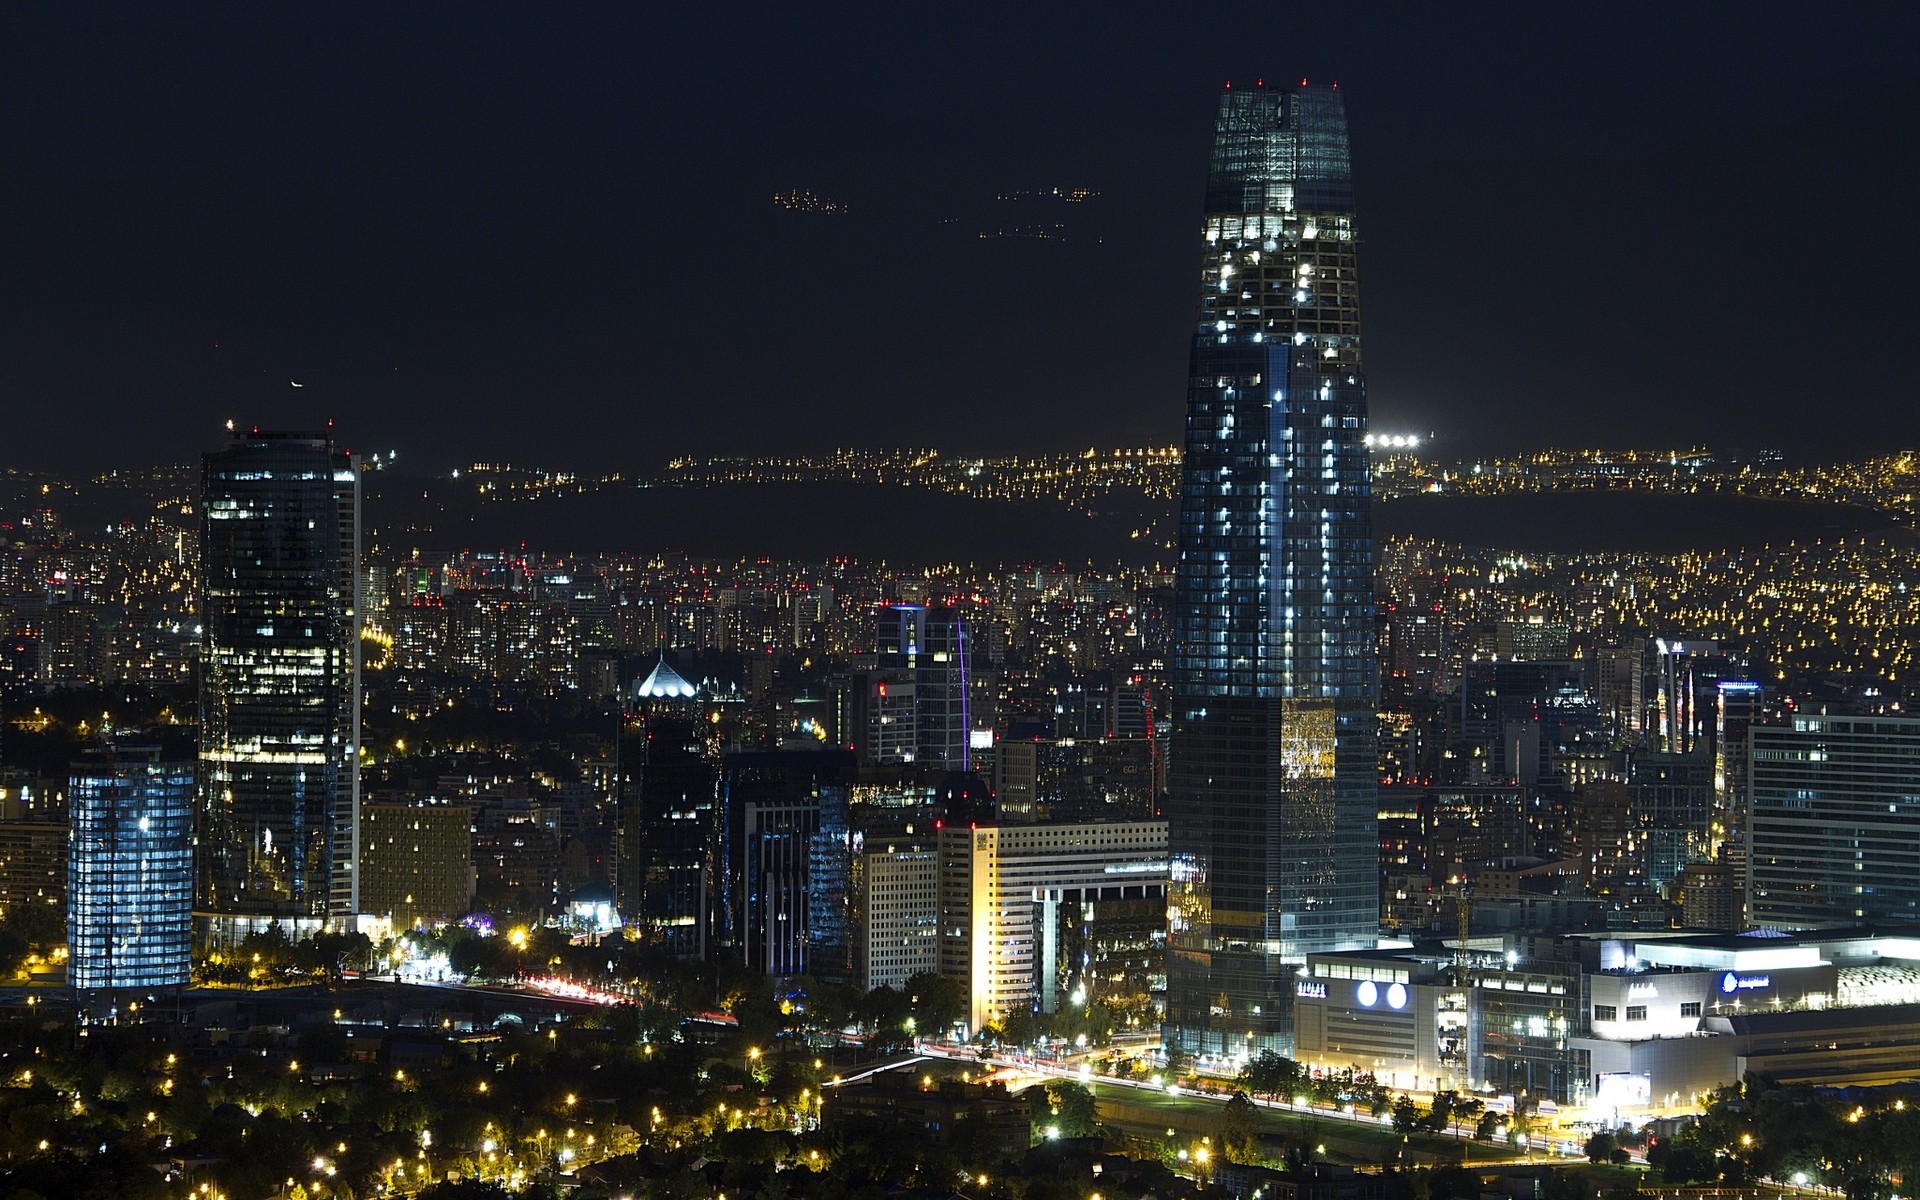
1620 1022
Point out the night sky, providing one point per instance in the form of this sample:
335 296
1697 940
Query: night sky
545 233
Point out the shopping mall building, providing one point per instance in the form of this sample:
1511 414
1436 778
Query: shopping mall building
1619 1021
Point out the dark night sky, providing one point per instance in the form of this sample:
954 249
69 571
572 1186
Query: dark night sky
543 232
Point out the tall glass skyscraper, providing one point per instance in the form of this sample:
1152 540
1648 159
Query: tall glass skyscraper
280 682
129 872
1271 770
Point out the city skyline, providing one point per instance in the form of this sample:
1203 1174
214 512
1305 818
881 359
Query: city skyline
689 798
513 230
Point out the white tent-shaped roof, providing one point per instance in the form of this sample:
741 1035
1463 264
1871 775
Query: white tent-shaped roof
664 683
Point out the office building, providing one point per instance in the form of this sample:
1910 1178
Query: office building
416 862
895 912
129 872
1001 892
785 860
669 830
928 696
279 771
1272 766
1673 805
1835 814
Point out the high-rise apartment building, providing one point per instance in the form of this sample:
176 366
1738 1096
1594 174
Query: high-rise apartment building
129 872
1835 809
279 682
33 859
1738 706
1272 767
1673 805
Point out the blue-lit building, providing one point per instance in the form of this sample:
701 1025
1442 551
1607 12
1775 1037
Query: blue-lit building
785 860
279 684
1271 770
129 873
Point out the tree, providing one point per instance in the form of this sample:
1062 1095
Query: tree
1177 1061
884 1010
831 1007
1440 1113
1683 1160
13 951
469 1189
338 953
489 957
38 924
1065 1106
1563 1185
1453 1182
1599 1147
1270 1075
1406 1115
1239 1122
1021 1027
936 1002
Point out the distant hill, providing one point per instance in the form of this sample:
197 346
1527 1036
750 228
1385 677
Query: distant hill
1586 521
814 521
804 521
818 520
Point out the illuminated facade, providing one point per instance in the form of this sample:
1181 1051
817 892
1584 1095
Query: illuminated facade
1002 891
784 859
1617 1021
1834 807
129 872
1272 767
280 682
895 902
416 862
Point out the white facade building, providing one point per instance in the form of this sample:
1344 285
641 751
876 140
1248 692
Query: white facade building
1000 890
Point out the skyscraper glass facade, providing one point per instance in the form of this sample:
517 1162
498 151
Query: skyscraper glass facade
669 834
129 872
280 679
1272 766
